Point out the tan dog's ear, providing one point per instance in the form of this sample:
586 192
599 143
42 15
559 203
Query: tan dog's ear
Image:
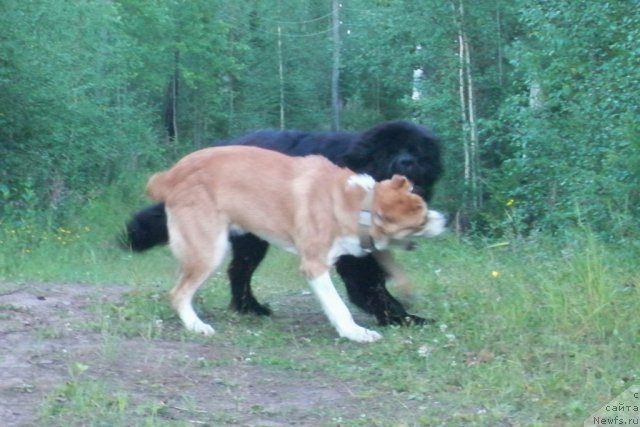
400 182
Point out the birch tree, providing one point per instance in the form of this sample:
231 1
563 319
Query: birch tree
470 138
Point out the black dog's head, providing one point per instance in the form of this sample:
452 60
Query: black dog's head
401 148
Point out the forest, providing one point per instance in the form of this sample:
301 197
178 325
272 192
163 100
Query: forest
535 102
533 291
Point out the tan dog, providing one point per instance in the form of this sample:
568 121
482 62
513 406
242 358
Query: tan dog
305 205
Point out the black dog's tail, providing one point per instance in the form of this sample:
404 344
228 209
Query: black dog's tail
146 229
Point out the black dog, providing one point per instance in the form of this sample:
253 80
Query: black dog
390 148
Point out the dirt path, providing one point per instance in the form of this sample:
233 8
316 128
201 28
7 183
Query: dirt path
45 344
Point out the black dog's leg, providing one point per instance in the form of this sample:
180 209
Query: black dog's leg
248 252
365 282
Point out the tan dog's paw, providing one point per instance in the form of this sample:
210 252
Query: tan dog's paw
201 328
360 334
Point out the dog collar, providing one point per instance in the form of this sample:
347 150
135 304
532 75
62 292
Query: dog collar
365 222
365 218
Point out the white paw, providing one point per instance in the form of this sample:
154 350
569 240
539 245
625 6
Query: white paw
360 334
201 328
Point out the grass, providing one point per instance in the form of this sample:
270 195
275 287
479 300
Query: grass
530 332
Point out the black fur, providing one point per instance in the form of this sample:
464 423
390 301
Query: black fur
389 148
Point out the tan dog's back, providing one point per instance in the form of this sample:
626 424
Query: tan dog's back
225 180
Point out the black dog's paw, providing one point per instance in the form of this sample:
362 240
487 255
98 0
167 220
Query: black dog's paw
261 310
406 320
407 245
411 320
251 307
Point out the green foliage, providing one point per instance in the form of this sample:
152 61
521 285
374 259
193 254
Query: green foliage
571 154
30 242
89 91
290 34
67 125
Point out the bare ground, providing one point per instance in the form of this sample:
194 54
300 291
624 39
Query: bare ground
43 336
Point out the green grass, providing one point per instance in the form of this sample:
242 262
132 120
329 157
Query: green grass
529 332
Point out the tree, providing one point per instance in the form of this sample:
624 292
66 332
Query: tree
572 137
67 121
335 66
472 198
535 102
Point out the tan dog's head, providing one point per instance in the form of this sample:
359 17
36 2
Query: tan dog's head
398 213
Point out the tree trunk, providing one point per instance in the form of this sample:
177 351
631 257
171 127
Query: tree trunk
171 107
335 67
231 104
500 54
470 135
463 108
474 138
281 77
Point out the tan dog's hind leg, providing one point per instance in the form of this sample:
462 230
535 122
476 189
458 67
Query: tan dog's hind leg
333 306
200 249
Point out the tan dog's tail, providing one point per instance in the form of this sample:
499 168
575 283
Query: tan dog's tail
157 186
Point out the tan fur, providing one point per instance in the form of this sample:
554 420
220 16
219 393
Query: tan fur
304 205
395 272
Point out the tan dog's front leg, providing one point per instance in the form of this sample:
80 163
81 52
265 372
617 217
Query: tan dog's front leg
395 272
337 311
